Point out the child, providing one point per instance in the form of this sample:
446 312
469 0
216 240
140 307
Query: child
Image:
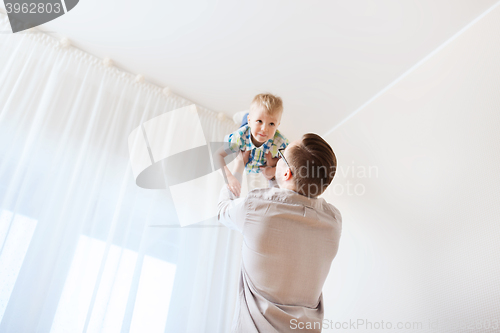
259 139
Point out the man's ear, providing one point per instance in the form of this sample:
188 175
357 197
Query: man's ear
288 174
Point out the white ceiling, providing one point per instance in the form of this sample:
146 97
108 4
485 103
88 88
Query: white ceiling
325 58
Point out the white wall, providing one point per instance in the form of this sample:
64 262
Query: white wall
422 242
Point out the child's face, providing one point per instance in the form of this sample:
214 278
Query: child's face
263 125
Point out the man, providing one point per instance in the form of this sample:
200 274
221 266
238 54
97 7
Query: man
290 239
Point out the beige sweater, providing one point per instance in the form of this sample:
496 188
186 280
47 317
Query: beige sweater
289 242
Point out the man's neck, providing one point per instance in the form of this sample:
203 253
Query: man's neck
287 186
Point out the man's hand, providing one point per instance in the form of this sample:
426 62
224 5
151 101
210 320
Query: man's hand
270 161
268 172
234 185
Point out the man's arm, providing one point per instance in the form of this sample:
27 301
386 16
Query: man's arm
232 211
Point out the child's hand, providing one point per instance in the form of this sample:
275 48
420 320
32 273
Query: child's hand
268 172
234 185
270 161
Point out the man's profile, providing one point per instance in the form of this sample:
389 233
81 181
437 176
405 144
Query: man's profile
290 240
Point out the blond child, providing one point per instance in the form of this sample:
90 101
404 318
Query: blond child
258 140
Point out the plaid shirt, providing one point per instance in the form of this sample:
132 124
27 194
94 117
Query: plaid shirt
242 140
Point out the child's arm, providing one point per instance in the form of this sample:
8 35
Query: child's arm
233 183
241 161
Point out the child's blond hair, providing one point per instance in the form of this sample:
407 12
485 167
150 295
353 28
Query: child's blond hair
272 104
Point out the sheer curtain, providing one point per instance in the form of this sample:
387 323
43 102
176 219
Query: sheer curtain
82 247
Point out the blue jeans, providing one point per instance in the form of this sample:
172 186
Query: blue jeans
244 121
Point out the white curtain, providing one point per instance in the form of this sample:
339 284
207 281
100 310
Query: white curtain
82 247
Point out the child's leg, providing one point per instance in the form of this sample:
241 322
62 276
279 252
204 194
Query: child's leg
240 118
244 120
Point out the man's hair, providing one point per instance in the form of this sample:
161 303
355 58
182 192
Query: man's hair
272 104
313 164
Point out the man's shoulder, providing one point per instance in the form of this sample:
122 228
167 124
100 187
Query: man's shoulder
268 193
277 200
334 210
277 194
